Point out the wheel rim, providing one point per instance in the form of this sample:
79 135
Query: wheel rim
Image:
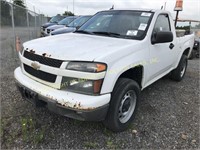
183 70
127 106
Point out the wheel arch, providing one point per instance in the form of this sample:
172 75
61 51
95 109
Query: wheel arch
187 52
135 73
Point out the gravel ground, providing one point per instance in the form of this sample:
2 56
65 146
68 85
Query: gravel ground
168 117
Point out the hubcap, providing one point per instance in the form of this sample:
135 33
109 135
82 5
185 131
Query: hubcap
127 106
183 70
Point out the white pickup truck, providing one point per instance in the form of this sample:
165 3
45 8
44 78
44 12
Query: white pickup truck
97 72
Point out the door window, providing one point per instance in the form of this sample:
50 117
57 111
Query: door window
162 24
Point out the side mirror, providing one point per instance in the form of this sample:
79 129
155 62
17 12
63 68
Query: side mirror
78 27
162 37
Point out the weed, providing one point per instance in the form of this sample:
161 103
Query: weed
30 133
38 138
107 132
1 128
110 144
24 124
132 126
90 145
77 122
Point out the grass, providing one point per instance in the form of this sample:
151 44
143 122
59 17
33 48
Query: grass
30 132
7 137
132 127
90 145
27 131
107 132
77 122
1 128
110 144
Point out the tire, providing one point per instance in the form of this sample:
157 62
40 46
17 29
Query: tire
179 73
123 105
197 54
192 55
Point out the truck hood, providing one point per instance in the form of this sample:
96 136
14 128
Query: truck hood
53 27
75 46
48 24
63 30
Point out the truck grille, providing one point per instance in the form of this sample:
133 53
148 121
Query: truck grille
40 74
43 60
48 31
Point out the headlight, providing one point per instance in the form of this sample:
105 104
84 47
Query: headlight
87 67
82 85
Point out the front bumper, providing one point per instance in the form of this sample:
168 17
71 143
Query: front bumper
43 34
72 105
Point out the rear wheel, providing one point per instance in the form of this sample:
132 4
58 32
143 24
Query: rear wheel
179 73
123 105
192 55
197 53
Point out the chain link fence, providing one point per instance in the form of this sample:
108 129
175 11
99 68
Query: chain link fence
19 21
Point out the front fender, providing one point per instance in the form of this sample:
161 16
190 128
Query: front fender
140 58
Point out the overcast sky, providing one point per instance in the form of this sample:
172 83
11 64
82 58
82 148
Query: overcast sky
191 8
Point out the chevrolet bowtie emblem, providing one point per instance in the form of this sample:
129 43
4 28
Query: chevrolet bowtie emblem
35 65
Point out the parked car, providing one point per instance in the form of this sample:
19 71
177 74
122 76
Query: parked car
54 20
196 48
97 73
73 26
63 23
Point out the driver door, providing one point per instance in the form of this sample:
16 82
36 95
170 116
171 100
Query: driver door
161 54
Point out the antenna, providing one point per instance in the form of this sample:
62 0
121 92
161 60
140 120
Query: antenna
112 7
165 5
73 13
73 6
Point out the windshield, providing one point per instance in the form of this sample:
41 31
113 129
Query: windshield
56 19
66 21
119 23
79 21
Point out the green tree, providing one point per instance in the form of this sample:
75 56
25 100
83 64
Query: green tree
5 13
68 13
197 26
19 11
19 3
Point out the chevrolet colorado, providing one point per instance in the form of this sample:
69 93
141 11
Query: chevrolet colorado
98 72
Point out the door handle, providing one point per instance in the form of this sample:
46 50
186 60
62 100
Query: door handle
171 46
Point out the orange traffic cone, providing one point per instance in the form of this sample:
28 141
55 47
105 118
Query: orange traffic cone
18 44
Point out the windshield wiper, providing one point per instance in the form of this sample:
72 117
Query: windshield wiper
83 31
108 34
54 22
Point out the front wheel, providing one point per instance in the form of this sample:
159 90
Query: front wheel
123 105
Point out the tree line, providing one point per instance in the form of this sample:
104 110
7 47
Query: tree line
20 14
